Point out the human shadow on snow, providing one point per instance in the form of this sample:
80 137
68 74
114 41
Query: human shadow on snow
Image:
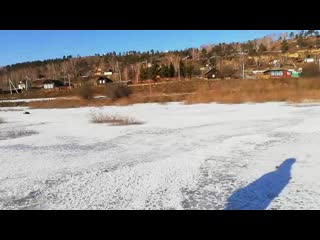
260 193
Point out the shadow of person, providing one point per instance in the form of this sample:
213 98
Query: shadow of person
260 193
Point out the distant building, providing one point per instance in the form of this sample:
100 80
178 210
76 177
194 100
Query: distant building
24 84
103 80
277 73
51 84
211 73
308 60
108 73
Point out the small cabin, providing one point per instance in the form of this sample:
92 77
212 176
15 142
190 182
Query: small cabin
277 73
103 80
51 84
212 73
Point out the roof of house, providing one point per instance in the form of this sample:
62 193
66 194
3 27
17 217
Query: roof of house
58 82
275 69
212 70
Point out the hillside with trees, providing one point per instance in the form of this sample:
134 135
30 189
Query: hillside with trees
137 66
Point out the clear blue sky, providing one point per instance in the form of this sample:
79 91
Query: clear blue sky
26 45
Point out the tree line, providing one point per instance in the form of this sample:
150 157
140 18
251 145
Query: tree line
132 65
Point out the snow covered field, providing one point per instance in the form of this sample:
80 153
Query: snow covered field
204 156
33 99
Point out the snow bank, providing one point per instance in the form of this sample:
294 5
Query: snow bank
182 157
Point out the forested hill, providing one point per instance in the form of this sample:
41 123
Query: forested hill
131 64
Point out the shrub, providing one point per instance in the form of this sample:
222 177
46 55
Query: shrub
17 133
86 91
310 70
116 91
113 119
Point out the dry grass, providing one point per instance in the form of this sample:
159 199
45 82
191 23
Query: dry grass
42 93
69 103
241 91
223 91
13 104
113 119
133 99
86 91
117 91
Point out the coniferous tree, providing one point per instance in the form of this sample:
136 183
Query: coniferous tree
182 69
153 71
284 46
171 70
164 72
262 48
300 41
291 35
189 70
143 73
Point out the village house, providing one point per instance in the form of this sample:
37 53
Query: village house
51 84
308 60
277 73
103 80
211 73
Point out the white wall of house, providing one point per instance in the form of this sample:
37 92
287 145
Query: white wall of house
48 85
21 86
308 60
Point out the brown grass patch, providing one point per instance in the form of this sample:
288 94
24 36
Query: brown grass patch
86 92
113 119
204 91
267 90
69 103
117 91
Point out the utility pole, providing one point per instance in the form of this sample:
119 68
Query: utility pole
27 83
69 81
242 69
11 83
119 71
242 57
179 69
10 86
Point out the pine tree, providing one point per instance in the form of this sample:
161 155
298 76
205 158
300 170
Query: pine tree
171 70
182 69
251 49
189 70
164 72
284 46
153 71
300 41
262 48
143 73
291 35
204 52
318 43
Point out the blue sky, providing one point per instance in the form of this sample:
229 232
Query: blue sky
30 45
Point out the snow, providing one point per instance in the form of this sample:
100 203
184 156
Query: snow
202 156
32 99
